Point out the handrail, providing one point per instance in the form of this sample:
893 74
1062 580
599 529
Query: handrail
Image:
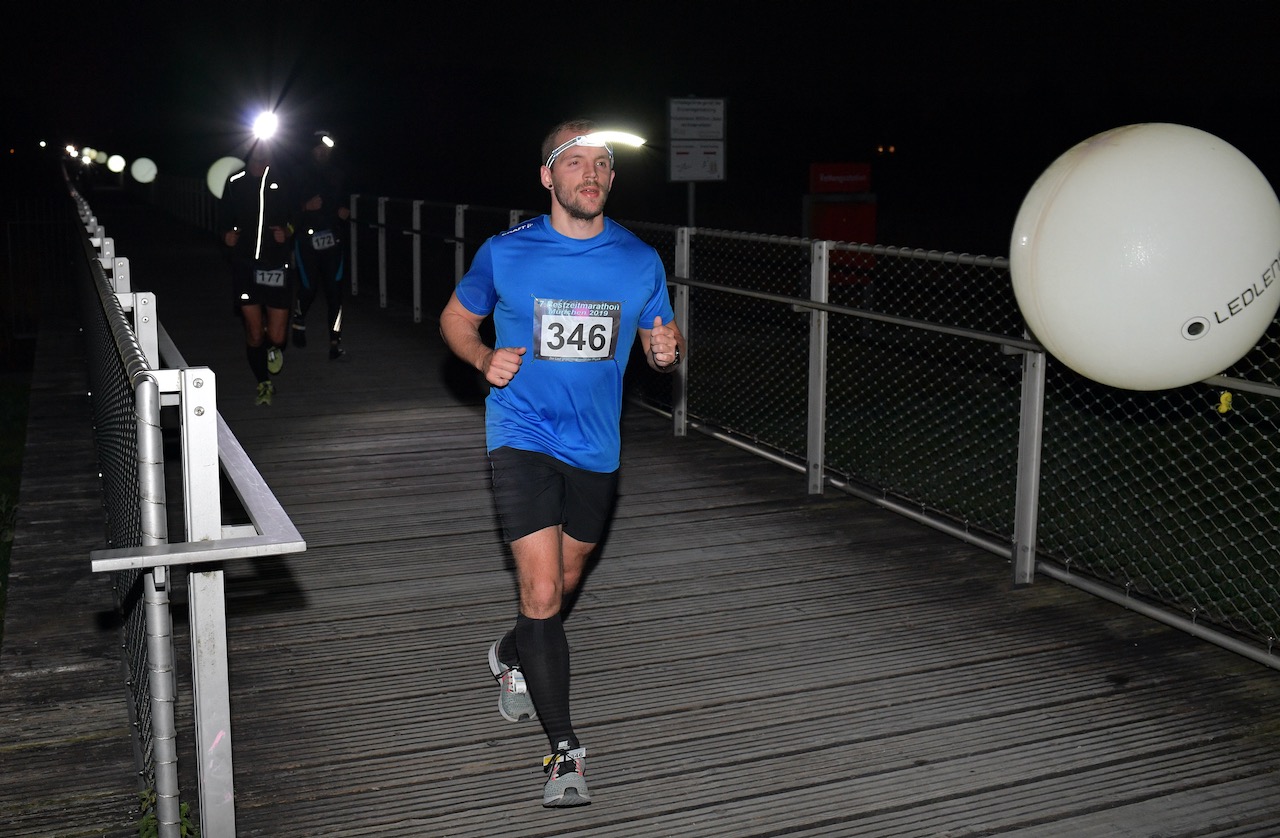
276 532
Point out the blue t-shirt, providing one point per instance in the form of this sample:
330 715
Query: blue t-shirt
575 305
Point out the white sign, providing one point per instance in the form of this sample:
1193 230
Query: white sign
697 160
697 135
697 119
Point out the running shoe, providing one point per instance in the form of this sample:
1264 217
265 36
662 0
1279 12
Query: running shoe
514 701
265 391
566 777
299 330
275 360
336 351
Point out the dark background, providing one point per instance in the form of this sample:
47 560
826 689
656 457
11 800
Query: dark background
449 102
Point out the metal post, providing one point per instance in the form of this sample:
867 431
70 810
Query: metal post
459 243
382 252
1027 502
817 410
207 600
152 504
354 237
417 261
120 275
142 306
680 385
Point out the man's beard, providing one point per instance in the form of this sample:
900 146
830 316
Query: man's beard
572 203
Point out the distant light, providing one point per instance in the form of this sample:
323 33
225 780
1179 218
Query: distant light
327 140
143 170
222 168
115 163
265 125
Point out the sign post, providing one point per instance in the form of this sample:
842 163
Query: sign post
696 128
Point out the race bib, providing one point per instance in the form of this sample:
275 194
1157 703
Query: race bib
575 330
323 240
273 278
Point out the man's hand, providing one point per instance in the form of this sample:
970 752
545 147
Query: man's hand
502 365
230 238
278 234
315 203
663 344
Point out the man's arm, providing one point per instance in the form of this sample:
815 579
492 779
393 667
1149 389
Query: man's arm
460 328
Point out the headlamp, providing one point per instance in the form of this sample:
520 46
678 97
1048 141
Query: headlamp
596 139
265 125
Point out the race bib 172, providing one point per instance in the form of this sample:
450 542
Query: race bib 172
575 330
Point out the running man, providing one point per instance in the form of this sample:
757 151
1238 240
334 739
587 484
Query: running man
256 230
319 247
569 293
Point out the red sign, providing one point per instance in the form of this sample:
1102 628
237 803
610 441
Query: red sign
840 177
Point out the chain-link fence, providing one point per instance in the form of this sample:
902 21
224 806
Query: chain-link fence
1163 497
118 369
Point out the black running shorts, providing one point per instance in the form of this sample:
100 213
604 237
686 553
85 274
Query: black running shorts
534 491
255 285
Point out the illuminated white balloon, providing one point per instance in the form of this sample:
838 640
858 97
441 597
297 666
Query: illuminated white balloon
222 168
143 170
115 163
1148 256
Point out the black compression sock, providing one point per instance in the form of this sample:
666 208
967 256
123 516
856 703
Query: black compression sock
258 361
544 660
507 652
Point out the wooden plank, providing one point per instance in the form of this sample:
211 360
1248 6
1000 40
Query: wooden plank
66 757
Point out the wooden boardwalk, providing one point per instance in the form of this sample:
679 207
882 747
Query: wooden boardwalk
748 660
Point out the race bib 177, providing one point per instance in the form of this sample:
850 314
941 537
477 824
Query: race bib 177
575 330
273 278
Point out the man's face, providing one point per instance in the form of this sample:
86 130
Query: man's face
580 178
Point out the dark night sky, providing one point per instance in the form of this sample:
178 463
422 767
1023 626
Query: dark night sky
977 97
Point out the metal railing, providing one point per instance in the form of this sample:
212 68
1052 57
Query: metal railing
136 370
906 377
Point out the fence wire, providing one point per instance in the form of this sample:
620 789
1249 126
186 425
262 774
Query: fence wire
1167 496
116 442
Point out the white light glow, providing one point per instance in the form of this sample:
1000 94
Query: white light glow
143 170
222 168
264 127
